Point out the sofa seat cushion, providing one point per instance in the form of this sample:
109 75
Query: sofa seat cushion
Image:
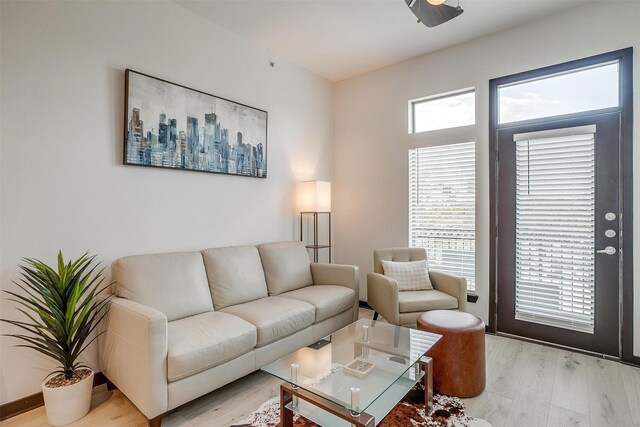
203 341
173 283
412 301
328 300
274 317
235 275
286 266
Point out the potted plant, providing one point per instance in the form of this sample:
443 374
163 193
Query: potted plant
63 309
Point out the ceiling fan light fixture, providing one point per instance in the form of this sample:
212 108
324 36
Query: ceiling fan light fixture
432 12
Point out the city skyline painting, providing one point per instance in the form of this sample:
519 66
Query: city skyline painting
172 126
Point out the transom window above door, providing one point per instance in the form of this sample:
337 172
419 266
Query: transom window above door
575 91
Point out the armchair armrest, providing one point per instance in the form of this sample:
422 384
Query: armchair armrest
133 354
338 274
455 286
382 296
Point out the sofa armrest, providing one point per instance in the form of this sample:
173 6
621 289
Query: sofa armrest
133 354
382 296
453 285
338 274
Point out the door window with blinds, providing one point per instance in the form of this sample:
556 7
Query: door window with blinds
442 207
555 245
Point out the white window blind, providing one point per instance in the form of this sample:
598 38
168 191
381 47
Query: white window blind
442 184
555 189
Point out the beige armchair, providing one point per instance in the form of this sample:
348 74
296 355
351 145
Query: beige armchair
403 307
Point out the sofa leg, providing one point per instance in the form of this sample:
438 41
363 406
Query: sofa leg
110 386
155 422
375 315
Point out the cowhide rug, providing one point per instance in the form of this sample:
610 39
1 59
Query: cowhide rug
446 412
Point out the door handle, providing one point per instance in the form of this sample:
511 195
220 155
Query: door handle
609 250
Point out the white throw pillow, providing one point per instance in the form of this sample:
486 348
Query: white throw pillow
410 275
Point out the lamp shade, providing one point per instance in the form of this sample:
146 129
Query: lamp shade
314 196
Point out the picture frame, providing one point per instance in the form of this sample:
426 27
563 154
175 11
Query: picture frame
171 126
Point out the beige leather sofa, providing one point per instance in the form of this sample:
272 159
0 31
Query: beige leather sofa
403 307
184 324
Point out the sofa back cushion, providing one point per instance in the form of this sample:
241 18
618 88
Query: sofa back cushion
286 266
173 283
235 275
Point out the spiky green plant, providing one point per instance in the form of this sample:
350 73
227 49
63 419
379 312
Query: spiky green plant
63 308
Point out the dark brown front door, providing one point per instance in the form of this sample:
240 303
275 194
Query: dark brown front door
558 231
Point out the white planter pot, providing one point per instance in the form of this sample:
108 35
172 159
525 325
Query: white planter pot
65 405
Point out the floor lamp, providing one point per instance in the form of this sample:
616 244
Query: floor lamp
314 199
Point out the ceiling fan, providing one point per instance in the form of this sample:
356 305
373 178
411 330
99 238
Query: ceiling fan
433 12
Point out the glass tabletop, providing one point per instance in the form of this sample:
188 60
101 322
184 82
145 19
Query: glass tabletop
358 364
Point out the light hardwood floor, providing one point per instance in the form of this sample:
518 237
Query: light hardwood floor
527 385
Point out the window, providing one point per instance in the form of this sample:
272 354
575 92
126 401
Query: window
442 183
555 229
443 111
586 89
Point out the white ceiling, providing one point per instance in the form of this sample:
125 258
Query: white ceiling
338 39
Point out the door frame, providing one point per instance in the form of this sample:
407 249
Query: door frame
625 58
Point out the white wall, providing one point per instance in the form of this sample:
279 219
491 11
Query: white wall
371 141
63 185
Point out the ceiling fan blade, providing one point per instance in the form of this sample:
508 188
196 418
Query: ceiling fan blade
431 15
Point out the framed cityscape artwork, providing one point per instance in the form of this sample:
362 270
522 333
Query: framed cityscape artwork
172 126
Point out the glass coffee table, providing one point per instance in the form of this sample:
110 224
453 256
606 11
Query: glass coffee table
356 375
